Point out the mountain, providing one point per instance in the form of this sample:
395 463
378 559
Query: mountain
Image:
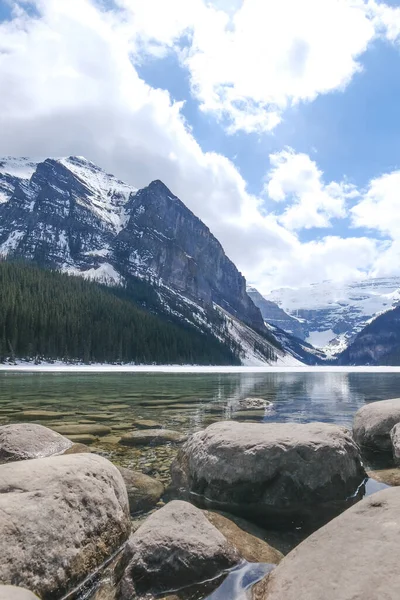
274 315
70 215
377 344
331 314
286 329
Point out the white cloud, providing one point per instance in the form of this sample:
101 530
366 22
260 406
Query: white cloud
69 87
295 178
379 208
251 60
271 55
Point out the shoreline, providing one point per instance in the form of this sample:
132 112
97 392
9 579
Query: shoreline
190 369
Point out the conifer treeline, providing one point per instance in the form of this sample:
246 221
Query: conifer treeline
49 315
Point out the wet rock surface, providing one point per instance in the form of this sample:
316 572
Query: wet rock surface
175 547
23 441
250 547
354 557
277 474
373 423
60 519
143 491
395 441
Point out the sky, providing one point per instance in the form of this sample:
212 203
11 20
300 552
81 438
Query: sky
277 122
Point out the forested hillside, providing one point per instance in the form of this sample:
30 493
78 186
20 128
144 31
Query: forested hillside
49 315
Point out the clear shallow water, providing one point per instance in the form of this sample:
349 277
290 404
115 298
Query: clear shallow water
188 402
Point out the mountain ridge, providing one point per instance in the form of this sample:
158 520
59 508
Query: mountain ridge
70 215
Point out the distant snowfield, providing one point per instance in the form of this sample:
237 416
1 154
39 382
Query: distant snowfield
62 368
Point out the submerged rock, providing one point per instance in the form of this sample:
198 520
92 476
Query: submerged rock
146 424
60 519
373 423
77 448
11 592
154 437
254 403
23 441
250 547
276 474
83 439
34 415
75 429
175 547
354 557
388 476
143 491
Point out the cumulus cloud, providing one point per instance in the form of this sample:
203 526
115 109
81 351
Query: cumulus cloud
379 207
250 60
296 179
69 86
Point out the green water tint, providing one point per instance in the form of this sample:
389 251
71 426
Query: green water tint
184 402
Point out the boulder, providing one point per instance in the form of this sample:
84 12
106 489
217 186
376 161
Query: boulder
79 429
60 519
22 441
153 437
354 557
10 592
373 423
250 547
143 491
395 441
277 474
175 547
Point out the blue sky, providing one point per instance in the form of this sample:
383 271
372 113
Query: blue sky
276 122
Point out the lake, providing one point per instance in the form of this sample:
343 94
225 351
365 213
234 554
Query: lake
185 401
188 401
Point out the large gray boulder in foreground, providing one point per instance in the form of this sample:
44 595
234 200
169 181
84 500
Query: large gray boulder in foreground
22 441
175 547
354 557
10 592
60 519
373 423
275 474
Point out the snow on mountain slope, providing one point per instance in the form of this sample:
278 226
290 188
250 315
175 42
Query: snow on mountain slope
107 194
256 350
69 214
332 313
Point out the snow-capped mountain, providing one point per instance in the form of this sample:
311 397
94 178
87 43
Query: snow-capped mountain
273 314
331 314
71 215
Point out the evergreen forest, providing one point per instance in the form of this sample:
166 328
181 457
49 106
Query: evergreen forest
48 315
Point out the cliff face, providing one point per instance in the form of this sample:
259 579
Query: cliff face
71 215
275 315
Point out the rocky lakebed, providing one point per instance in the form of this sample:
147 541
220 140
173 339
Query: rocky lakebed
107 505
